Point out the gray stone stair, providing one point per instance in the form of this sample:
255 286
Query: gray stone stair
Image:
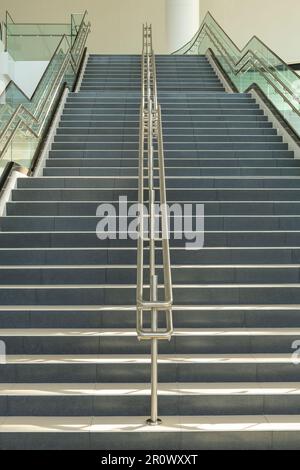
76 377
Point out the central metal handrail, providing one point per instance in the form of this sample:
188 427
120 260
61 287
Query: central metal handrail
157 230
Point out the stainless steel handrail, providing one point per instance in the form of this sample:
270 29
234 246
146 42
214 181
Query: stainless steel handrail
42 107
7 15
151 138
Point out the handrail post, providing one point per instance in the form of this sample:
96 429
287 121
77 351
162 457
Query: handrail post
154 420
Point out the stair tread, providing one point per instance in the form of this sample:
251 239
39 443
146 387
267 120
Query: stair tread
256 177
132 424
207 216
143 389
133 286
90 201
83 308
132 359
133 266
122 332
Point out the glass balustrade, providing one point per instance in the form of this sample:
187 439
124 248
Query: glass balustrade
22 120
256 64
34 41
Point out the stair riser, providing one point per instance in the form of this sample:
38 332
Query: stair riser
220 154
124 87
216 122
162 80
223 276
216 318
104 131
169 146
101 195
176 181
263 129
205 102
92 171
101 255
85 240
111 102
118 163
179 109
169 119
235 164
140 373
140 405
211 208
185 295
176 114
165 76
121 345
200 440
168 139
90 224
124 71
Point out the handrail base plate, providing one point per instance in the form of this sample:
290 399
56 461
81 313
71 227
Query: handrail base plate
153 423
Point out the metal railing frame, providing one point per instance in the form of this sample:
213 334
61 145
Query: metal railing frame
247 60
151 138
259 65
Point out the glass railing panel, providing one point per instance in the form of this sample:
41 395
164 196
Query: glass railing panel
34 42
5 114
37 41
32 48
3 163
3 32
260 52
13 96
76 20
39 29
24 124
21 149
282 70
255 64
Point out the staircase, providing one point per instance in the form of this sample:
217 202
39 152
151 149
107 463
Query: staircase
76 377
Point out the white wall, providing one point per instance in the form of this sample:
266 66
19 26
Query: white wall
28 74
182 22
6 69
116 24
276 22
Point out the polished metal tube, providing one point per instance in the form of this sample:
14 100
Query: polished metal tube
151 136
